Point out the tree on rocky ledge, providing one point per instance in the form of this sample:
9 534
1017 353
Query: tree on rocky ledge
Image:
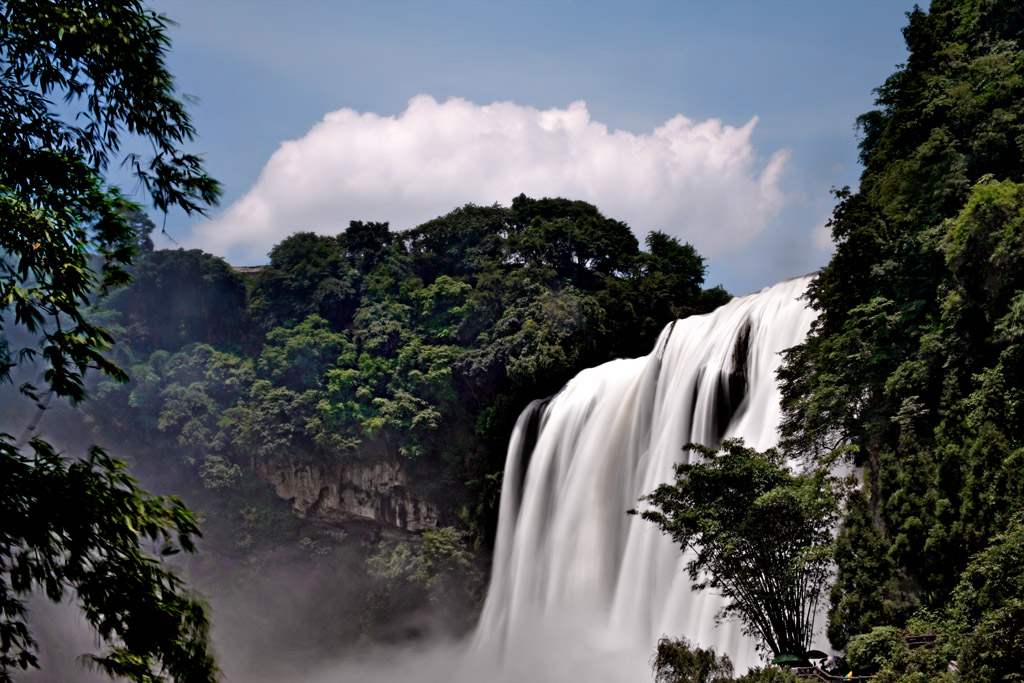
69 526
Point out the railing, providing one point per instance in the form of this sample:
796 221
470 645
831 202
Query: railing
813 672
921 641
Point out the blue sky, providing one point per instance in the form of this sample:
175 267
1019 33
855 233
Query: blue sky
723 123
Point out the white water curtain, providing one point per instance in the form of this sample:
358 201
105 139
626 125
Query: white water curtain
577 581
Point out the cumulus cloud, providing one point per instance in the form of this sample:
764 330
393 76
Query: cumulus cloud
701 181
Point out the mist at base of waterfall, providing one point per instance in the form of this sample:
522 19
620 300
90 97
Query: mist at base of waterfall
549 652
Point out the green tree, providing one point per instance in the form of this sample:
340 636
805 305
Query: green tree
679 661
665 284
761 537
438 570
767 674
366 243
989 602
269 422
573 239
869 652
299 357
308 274
860 551
463 243
81 527
143 227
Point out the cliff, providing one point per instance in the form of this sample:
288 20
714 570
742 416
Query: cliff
337 493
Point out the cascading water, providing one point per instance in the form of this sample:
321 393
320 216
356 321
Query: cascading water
577 580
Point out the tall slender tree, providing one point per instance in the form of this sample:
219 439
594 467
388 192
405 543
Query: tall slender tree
760 536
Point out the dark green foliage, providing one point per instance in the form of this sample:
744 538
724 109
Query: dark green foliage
464 243
438 571
308 274
366 244
269 422
861 552
572 239
868 652
419 346
989 603
915 359
667 287
298 358
179 297
768 674
74 78
761 537
81 528
712 298
143 228
679 661
105 61
921 665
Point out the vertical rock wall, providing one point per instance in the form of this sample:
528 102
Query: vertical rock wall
377 492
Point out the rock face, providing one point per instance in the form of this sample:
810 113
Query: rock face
344 493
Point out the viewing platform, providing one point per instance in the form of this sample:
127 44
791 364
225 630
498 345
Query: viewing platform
814 673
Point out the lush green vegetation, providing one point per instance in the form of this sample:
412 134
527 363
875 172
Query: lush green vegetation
82 528
418 348
915 359
679 660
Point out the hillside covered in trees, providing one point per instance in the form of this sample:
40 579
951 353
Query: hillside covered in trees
410 353
913 370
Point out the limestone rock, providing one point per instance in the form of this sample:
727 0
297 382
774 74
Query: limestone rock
336 493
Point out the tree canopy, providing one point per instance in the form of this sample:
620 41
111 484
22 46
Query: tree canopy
679 661
419 346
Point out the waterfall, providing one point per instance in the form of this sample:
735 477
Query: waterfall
577 580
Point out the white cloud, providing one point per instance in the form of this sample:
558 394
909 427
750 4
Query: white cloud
700 181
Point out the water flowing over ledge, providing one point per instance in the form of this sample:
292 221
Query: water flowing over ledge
577 580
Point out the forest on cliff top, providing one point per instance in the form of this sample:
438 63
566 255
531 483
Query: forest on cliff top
416 350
